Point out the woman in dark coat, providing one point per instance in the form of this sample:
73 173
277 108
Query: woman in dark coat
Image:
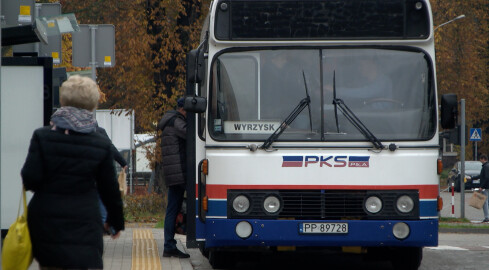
67 166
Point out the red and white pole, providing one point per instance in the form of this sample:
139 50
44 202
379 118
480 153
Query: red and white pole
453 199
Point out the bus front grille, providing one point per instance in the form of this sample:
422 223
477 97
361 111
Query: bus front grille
322 204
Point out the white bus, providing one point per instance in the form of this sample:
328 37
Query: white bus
315 125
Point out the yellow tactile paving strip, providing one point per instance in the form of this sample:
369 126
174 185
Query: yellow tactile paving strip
144 250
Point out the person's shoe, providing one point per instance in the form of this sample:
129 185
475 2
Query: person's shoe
485 220
175 253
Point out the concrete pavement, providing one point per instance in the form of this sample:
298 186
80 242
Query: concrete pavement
140 248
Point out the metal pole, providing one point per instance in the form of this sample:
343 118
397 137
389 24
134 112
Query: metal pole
1 180
93 63
131 167
475 151
453 199
37 11
462 158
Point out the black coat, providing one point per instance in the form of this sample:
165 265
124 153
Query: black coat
173 147
66 174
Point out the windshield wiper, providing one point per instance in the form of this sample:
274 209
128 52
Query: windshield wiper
308 104
285 124
335 105
339 103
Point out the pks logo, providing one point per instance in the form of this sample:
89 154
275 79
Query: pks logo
326 161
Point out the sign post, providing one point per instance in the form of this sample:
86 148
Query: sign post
475 136
462 158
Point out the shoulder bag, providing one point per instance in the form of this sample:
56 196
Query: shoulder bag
17 246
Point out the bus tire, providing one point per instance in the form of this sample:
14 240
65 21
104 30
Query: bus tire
408 258
220 259
204 251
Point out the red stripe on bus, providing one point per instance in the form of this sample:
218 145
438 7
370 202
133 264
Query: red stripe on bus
220 191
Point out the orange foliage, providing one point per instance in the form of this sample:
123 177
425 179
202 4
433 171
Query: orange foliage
462 59
149 73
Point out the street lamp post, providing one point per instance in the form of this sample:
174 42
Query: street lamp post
450 21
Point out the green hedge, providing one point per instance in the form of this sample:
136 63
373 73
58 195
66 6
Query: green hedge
144 208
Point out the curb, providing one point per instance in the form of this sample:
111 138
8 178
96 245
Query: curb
464 230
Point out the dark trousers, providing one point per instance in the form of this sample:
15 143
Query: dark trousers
175 199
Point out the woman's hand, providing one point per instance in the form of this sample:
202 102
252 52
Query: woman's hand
111 231
115 236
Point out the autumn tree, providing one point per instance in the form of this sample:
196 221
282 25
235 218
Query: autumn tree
175 27
152 40
127 85
462 58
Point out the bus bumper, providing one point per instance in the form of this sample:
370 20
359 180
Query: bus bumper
366 233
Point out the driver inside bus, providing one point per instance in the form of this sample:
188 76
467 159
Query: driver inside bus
361 84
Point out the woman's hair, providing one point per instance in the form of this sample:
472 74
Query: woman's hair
79 92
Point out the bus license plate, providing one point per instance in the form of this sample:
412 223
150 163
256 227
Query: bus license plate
332 228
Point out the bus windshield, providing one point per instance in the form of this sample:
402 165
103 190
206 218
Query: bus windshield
390 91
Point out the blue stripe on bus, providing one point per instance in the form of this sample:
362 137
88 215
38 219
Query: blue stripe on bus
428 208
216 208
372 233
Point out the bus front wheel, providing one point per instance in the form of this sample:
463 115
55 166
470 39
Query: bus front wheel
220 259
408 258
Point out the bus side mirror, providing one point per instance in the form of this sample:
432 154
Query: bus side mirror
195 66
449 111
195 104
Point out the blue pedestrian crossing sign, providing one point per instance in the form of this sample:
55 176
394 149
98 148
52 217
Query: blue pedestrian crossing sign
475 134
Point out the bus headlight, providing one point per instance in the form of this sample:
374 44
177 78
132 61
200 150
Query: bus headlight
400 230
373 204
271 204
243 229
405 204
241 204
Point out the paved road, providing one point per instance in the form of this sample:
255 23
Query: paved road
455 251
458 251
